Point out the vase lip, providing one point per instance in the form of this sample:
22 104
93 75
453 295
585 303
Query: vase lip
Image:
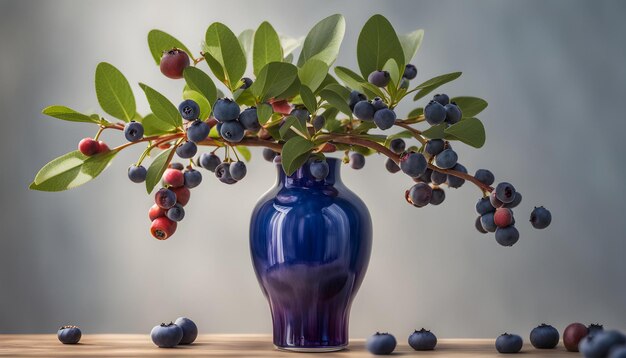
302 177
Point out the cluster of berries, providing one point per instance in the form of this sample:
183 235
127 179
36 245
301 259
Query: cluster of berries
441 110
169 335
385 343
375 110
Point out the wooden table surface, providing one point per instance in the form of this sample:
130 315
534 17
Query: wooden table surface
221 345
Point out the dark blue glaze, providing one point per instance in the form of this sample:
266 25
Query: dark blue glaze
310 243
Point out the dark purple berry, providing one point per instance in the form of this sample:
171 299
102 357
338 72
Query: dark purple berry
269 154
133 131
225 109
166 335
599 345
413 164
438 196
494 201
453 113
222 172
423 340
385 118
249 119
484 176
209 161
247 82
379 78
232 131
438 178
434 146
443 99
435 113
356 97
483 206
187 150
391 166
420 194
165 198
618 351
175 213
190 330
176 165
595 328
479 226
137 174
515 202
357 161
509 343
319 169
364 111
446 159
544 336
193 178
505 192
397 145
173 63
381 344
410 71
238 170
302 114
540 218
378 103
426 177
69 334
318 122
507 236
486 220
189 109
198 131
454 181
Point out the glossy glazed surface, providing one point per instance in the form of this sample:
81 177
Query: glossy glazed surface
310 243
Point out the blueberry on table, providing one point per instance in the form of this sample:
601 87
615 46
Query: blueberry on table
410 72
434 146
357 161
381 344
509 343
379 78
442 99
446 159
192 177
165 198
210 161
507 236
435 113
384 118
225 109
364 111
544 336
423 340
69 334
618 352
397 145
485 176
453 113
420 194
137 174
540 217
173 63
190 330
198 131
189 109
454 181
483 206
595 328
439 195
162 228
249 119
88 146
599 345
505 192
166 335
176 213
238 170
232 131
573 334
319 169
413 164
133 131
391 166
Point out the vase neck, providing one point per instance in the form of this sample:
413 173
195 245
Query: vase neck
304 179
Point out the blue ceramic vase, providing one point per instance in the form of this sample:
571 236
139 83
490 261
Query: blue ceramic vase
310 243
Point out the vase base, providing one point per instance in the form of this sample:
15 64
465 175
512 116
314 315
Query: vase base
312 349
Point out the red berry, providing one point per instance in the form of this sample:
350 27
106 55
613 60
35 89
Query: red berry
102 147
88 146
281 106
328 148
503 217
182 195
573 334
156 212
162 228
173 63
173 178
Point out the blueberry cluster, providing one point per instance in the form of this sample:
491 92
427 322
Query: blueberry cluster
168 335
375 110
441 110
232 122
385 343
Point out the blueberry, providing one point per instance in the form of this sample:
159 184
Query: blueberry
364 111
479 226
175 213
503 217
595 328
540 218
187 150
176 165
484 176
424 178
133 131
438 178
385 118
137 174
435 113
438 196
166 335
483 206
198 131
378 103
190 330
247 82
319 169
173 63
193 178
618 352
269 154
453 113
397 145
277 159
544 337
357 161
318 122
446 159
249 119
505 192
509 343
404 83
381 344
423 340
225 109
456 182
356 97
494 201
599 345
222 172
232 131
238 170
413 164
165 198
189 109
443 99
302 114
486 220
391 166
209 161
434 146
69 334
420 194
410 71
507 236
516 201
379 78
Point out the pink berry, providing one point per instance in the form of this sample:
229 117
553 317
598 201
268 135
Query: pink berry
503 217
173 178
156 212
88 146
173 63
182 195
102 147
162 228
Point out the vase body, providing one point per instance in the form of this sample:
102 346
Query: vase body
310 243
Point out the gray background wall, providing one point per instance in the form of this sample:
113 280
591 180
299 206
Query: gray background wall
553 72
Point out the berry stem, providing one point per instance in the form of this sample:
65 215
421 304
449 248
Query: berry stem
97 136
416 133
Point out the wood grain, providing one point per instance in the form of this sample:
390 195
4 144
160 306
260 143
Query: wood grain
222 345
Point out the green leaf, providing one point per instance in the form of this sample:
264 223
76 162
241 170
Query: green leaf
416 112
199 81
245 152
71 170
157 168
292 121
244 97
435 132
411 43
215 67
160 42
433 83
267 47
469 131
290 44
246 38
223 46
295 153
340 90
336 100
392 67
205 106
324 40
308 98
364 127
274 78
68 114
356 82
153 125
264 112
313 73
114 93
470 106
161 106
378 42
